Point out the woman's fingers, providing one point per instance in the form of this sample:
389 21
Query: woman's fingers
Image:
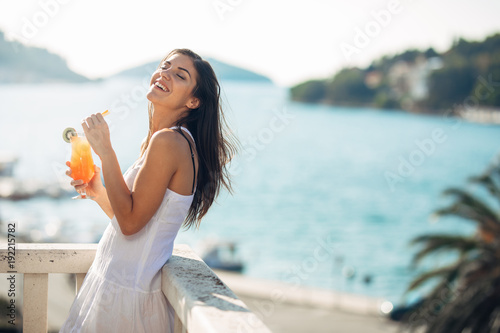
91 120
97 132
68 172
77 182
94 121
85 127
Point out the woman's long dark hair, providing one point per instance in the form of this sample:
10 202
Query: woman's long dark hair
215 145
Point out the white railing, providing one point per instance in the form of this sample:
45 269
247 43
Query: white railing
202 302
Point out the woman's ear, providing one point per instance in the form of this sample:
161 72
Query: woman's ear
194 103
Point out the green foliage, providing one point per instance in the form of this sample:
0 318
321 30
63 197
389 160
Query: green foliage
431 244
383 100
461 81
385 63
348 86
449 86
430 53
467 297
493 73
310 92
464 66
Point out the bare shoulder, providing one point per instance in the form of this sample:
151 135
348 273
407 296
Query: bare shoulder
164 149
166 139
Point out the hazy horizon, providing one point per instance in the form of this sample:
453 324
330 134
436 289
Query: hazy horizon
268 38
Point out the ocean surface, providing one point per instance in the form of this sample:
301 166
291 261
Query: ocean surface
323 196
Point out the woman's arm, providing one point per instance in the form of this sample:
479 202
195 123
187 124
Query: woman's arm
103 202
133 209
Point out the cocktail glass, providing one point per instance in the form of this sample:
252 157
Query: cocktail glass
82 164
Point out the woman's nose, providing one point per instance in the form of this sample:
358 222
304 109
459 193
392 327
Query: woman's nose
165 74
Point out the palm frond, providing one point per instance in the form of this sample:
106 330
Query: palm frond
477 302
489 183
449 273
432 304
490 180
469 207
441 242
453 307
467 295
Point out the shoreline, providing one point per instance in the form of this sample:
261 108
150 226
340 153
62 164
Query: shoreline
278 291
288 308
480 115
273 301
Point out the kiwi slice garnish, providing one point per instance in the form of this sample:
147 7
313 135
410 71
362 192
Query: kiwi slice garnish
68 133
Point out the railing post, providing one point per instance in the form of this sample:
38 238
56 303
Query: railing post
35 295
79 280
36 261
178 327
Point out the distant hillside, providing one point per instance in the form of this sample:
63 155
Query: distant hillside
222 70
420 81
228 72
23 64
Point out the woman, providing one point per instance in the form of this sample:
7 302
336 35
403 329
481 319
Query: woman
177 177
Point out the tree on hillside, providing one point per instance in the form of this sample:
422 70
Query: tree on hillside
348 86
464 68
448 86
465 63
313 91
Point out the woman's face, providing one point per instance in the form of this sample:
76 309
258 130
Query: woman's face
173 83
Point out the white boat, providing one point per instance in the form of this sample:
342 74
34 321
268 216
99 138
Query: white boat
221 255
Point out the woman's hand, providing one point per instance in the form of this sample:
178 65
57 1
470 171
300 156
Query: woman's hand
95 189
97 133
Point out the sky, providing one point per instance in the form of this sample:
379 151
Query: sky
287 40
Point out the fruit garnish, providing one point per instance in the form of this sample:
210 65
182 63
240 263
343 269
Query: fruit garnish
68 133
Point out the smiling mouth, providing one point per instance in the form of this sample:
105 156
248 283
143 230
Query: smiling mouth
161 86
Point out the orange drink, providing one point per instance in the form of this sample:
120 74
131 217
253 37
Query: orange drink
82 164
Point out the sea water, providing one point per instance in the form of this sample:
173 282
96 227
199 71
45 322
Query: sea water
323 196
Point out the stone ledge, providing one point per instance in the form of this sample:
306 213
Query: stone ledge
201 300
49 258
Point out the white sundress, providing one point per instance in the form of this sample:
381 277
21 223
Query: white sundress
122 289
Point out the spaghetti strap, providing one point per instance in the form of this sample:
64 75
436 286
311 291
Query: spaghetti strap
182 129
188 132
